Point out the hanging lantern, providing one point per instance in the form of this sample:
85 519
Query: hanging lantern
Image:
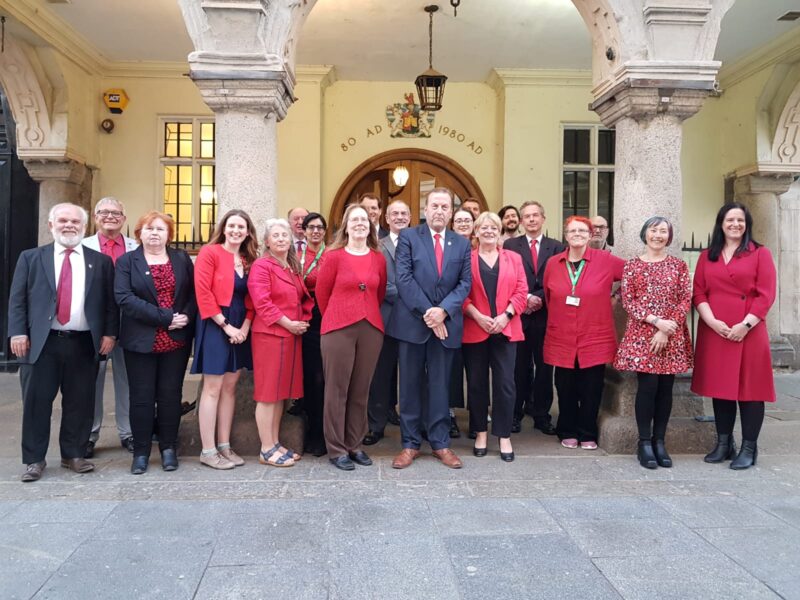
400 176
430 84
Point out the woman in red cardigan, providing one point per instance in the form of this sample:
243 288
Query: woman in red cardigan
222 347
350 288
580 337
497 298
283 309
734 288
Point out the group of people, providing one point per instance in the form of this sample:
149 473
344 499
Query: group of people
339 322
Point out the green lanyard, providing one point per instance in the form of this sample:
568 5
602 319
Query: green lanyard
315 261
574 276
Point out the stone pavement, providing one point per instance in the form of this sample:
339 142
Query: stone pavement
554 524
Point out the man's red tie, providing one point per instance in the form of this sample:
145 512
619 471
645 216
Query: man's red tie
109 250
299 247
64 290
437 250
535 255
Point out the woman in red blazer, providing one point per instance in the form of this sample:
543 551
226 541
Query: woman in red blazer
580 337
222 345
734 288
283 309
494 305
350 289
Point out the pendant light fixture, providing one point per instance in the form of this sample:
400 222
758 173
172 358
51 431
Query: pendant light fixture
430 84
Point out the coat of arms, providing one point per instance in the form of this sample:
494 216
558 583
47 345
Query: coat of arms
407 120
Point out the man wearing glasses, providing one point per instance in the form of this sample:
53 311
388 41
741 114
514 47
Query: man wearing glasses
600 235
109 219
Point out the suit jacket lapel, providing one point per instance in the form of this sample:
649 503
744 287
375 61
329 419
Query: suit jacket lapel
144 269
427 243
48 257
477 281
89 262
389 245
177 272
522 242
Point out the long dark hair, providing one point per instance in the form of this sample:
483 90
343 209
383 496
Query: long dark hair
718 236
249 247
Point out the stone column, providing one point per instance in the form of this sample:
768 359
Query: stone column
761 192
59 181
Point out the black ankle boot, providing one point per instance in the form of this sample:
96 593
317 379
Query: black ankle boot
724 450
662 457
645 454
747 456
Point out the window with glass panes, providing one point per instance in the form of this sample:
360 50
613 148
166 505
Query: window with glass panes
187 166
588 172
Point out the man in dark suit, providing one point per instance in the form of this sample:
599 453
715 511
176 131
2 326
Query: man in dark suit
61 317
372 204
536 250
433 280
383 391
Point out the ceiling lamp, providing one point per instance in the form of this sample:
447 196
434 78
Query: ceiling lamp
430 84
400 176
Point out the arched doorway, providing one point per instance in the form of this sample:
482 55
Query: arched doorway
426 170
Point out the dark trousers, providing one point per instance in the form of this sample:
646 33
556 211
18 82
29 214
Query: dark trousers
428 364
68 364
498 354
533 378
580 392
457 382
156 384
653 405
383 390
751 413
348 357
313 378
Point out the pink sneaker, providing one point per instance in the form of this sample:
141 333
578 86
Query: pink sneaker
588 445
570 443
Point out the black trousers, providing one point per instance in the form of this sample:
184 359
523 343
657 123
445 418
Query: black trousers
533 378
156 384
313 378
457 382
580 392
498 354
752 415
383 390
653 405
68 365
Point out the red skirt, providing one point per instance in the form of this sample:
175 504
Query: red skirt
277 367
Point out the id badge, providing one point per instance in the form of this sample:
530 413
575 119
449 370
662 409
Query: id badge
573 301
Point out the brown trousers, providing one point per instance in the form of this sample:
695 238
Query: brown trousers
349 356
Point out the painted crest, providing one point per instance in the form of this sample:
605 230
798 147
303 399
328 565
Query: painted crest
407 120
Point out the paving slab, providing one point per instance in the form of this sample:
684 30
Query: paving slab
786 508
296 581
490 516
717 511
595 509
59 511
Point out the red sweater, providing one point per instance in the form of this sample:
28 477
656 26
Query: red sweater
340 296
213 281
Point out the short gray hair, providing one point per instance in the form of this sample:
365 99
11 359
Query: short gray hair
652 222
84 215
109 200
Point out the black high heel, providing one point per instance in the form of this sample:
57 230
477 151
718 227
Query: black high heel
645 455
747 456
724 450
506 456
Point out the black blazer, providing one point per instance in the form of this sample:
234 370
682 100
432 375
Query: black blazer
549 248
138 301
32 300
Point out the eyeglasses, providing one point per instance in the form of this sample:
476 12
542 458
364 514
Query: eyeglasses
109 213
462 221
315 228
601 227
577 232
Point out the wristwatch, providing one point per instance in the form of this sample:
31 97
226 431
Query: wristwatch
746 324
509 314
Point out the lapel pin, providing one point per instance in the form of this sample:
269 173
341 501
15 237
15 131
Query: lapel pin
449 243
90 265
147 272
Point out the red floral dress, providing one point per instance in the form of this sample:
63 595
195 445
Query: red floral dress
164 280
662 289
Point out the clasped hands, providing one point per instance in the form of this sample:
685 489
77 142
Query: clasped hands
534 303
492 325
666 327
434 318
736 333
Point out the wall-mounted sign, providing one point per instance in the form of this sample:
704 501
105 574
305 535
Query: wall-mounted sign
407 120
116 100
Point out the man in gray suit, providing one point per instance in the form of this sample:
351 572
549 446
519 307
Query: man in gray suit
383 391
109 219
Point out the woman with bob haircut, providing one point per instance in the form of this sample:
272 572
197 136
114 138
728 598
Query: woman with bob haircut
656 294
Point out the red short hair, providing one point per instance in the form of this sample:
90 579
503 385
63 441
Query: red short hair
148 218
578 219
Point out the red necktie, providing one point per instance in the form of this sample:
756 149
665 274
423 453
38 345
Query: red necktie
109 250
299 247
64 290
437 250
535 255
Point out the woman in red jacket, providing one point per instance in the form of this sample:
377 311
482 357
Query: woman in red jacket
350 288
222 347
734 288
580 337
283 309
497 298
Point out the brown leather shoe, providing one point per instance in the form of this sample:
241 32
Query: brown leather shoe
33 472
405 458
448 458
79 465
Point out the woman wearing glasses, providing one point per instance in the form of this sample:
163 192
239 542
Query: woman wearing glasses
580 337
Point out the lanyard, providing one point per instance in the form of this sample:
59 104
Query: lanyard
574 276
315 261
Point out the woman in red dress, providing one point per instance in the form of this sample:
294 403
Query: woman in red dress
734 288
283 309
656 294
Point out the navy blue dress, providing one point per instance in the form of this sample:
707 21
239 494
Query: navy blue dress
213 353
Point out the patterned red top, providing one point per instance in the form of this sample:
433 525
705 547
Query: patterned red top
662 289
164 280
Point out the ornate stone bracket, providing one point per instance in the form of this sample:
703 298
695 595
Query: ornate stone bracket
635 100
266 96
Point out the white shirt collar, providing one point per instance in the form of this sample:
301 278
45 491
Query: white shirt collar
394 236
538 238
59 249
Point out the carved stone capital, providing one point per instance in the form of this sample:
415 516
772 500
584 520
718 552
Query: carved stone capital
642 103
675 29
763 183
264 96
65 171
